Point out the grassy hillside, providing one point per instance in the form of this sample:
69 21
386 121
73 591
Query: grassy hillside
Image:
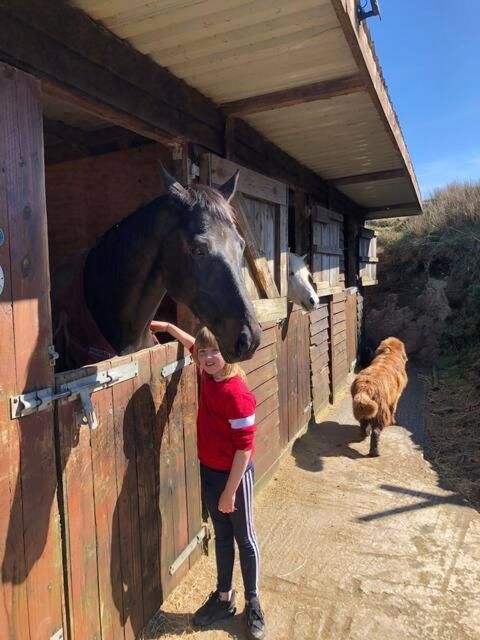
429 295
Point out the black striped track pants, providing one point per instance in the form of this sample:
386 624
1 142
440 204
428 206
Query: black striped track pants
236 526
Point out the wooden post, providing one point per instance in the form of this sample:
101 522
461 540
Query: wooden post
185 318
30 548
351 229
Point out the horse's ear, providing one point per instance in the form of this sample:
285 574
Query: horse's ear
230 186
304 257
173 187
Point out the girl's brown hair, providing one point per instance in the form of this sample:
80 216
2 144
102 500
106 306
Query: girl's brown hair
206 340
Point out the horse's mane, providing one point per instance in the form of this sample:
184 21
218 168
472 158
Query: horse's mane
201 196
208 198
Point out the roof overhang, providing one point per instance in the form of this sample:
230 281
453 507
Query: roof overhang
301 74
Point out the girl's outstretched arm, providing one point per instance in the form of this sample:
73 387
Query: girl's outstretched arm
182 336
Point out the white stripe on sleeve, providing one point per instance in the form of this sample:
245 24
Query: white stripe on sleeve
239 423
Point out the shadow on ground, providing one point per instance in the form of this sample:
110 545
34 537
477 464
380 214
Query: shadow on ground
325 440
179 624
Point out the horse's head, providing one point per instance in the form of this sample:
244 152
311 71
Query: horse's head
202 265
300 287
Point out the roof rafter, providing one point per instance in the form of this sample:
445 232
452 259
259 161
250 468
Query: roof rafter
324 90
375 176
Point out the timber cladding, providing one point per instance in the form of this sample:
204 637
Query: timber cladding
130 494
338 344
320 358
262 380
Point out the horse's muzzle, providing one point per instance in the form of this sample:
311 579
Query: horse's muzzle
247 343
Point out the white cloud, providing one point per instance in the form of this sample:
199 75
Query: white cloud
439 173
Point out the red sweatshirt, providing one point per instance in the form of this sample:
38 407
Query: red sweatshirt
225 422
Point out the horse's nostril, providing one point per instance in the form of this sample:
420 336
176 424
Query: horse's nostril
244 342
312 300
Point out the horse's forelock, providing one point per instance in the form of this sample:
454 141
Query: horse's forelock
297 264
211 200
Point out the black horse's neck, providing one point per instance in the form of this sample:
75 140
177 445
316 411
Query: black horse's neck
122 279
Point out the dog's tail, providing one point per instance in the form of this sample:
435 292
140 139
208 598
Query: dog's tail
363 406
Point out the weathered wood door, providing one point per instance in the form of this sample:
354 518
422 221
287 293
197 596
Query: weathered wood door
31 587
131 496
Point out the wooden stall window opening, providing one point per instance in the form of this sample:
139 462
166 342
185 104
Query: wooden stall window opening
328 251
368 257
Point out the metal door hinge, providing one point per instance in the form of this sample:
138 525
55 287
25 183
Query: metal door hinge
82 388
170 368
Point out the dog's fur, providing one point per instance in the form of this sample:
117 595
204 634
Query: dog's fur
377 389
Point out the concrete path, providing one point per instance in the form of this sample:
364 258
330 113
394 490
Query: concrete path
354 548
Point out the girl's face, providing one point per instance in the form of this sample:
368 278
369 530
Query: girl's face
211 361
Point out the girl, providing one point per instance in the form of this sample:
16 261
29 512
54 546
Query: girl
225 437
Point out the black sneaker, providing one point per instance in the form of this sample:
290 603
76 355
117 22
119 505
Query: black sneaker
214 609
255 620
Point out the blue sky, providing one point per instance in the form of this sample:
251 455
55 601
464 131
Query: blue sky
430 55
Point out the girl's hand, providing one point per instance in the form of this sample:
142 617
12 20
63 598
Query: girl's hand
157 326
226 504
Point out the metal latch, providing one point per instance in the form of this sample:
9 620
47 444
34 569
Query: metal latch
201 536
82 388
170 368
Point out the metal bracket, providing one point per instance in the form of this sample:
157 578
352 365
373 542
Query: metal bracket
58 635
52 355
201 536
42 399
170 368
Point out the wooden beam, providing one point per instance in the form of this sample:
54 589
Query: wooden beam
88 143
66 133
78 57
393 207
375 176
255 257
324 90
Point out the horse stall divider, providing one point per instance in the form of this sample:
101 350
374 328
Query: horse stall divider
31 590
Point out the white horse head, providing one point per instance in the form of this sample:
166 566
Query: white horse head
300 289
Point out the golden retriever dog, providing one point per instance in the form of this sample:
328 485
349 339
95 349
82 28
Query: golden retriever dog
377 389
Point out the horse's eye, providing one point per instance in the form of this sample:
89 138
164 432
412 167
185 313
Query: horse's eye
199 251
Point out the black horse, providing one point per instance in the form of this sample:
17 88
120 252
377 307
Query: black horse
184 243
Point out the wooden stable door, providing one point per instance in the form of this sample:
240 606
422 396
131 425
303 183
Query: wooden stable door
131 492
31 587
